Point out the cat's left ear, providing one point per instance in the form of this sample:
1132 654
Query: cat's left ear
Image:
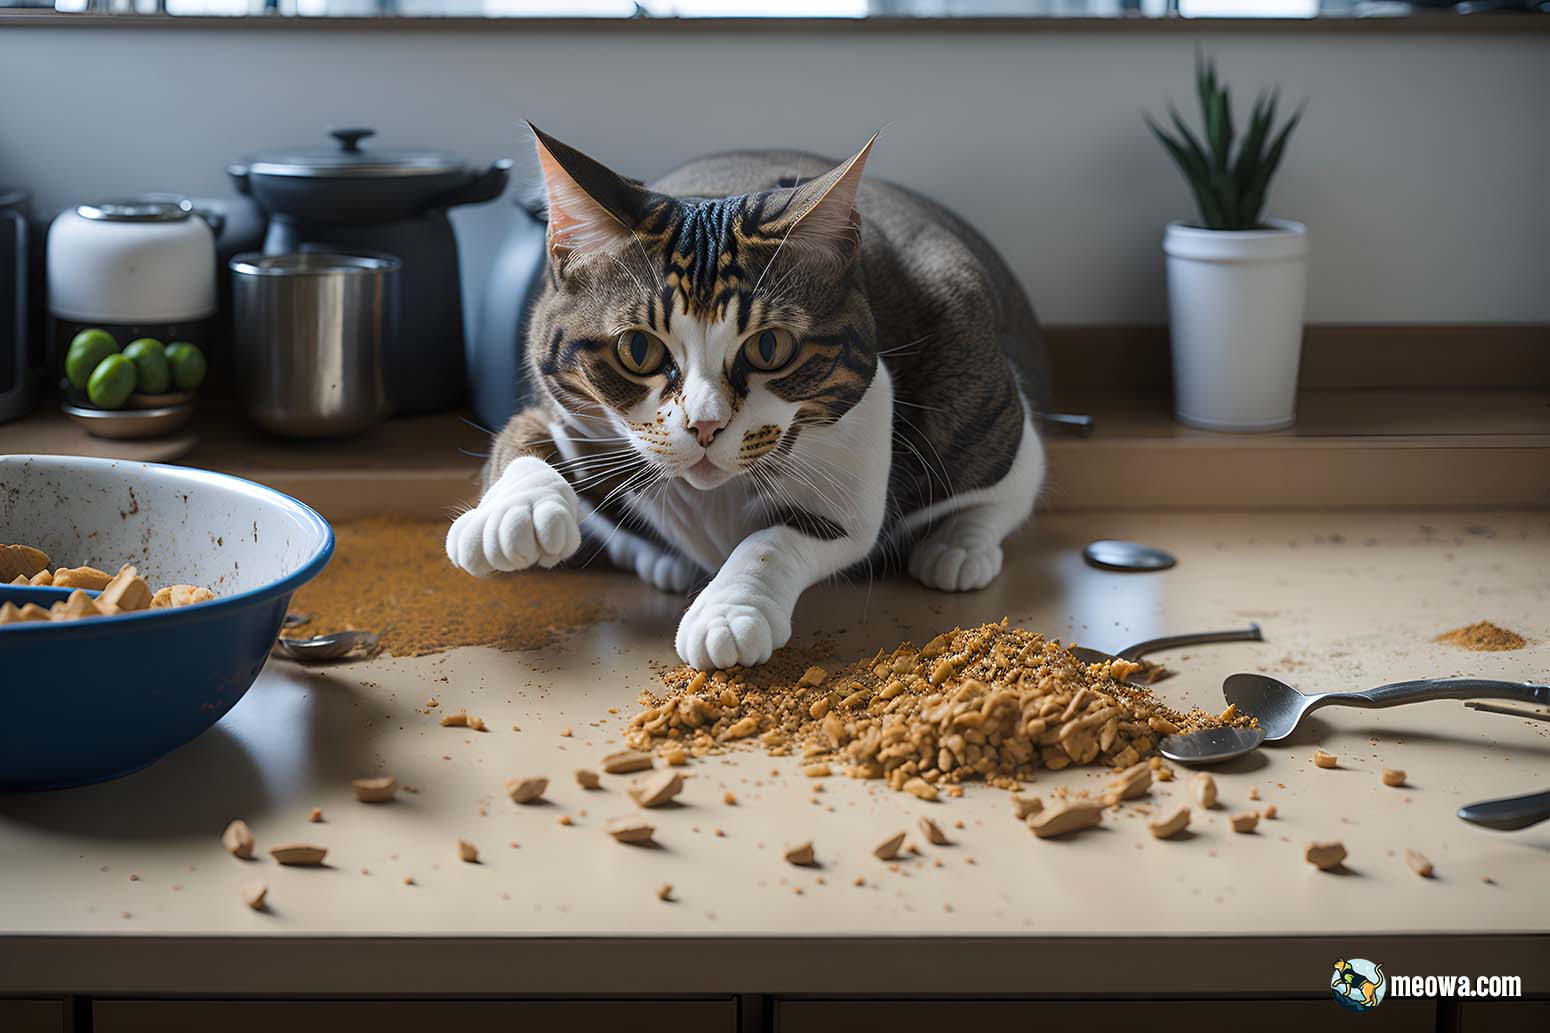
827 219
591 207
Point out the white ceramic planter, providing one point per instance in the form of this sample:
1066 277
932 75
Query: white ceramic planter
1235 309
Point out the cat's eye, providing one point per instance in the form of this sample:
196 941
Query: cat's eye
642 353
769 350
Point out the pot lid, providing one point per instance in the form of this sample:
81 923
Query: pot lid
313 263
348 158
137 209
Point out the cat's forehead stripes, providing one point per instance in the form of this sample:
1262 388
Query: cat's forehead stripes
712 252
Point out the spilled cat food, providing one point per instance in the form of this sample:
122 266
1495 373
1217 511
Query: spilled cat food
394 576
991 703
1483 637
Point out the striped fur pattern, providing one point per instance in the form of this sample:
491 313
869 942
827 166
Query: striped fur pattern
763 370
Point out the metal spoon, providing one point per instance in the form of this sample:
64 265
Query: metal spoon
1509 813
1210 745
320 648
1152 645
1088 655
1279 707
1113 554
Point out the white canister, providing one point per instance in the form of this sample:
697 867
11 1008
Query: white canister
136 267
1235 311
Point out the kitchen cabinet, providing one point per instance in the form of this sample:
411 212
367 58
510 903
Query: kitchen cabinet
574 1016
1161 1016
32 1016
1504 1016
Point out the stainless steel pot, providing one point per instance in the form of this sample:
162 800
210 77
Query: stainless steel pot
312 328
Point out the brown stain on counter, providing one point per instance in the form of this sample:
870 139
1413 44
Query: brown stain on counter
393 577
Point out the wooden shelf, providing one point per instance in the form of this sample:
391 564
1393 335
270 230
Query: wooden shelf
1350 449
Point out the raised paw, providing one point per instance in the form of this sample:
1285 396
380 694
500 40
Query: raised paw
526 519
953 566
723 630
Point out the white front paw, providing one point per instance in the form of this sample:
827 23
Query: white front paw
725 628
527 518
951 566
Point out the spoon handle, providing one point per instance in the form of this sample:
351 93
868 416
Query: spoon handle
1513 812
1198 638
1401 692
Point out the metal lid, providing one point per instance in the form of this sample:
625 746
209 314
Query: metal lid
313 263
137 209
349 159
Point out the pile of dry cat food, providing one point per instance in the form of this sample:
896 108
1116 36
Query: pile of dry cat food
993 702
393 577
116 593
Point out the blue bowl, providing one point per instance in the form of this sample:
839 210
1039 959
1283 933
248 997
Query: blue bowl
98 698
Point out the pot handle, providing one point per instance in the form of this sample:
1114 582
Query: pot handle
238 174
486 186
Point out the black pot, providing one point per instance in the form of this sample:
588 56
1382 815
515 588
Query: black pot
396 202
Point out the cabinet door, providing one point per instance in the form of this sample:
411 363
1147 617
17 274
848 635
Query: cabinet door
32 1016
818 1016
1504 1016
713 1016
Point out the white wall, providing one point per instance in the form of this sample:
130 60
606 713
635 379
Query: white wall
1421 165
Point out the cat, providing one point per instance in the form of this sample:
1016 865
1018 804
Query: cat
765 371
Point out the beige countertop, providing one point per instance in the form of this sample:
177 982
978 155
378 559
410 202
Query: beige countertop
125 886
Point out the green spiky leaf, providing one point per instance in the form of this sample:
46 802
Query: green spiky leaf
1229 186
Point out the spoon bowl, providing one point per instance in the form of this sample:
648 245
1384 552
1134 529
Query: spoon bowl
322 648
1210 745
1279 707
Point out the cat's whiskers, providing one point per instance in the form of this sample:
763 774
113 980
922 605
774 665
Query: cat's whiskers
941 466
901 349
644 293
653 474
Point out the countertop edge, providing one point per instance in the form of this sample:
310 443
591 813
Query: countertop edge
660 966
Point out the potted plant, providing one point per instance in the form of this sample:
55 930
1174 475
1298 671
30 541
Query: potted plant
1237 281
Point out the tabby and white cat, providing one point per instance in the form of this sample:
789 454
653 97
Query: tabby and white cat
761 370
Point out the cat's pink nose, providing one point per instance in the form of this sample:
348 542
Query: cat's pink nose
706 430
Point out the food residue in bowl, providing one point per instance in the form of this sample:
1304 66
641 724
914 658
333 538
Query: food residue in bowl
123 592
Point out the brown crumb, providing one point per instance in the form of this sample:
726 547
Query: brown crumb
1393 777
665 892
729 798
1482 637
316 815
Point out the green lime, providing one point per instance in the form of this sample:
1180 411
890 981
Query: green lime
87 348
153 373
188 365
111 382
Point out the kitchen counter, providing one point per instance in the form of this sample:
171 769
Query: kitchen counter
124 888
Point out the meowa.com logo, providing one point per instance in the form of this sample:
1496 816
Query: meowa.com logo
1358 984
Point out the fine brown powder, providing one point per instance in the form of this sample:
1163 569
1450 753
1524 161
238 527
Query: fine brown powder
393 577
1483 637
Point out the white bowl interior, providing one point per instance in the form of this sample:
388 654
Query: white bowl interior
176 525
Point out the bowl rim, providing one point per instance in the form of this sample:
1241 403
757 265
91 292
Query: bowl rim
310 569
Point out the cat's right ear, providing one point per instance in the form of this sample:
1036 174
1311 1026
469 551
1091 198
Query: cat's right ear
591 207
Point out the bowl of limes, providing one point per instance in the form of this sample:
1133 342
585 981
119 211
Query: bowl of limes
143 390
